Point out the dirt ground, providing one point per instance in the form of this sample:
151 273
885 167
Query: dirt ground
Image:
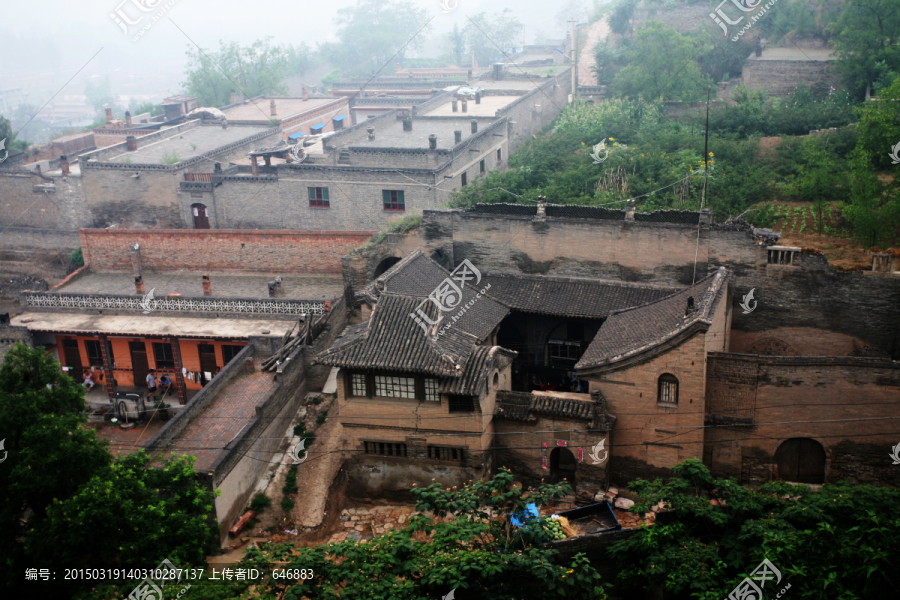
21 271
596 33
798 228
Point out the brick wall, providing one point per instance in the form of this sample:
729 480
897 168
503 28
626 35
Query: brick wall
781 77
850 405
283 251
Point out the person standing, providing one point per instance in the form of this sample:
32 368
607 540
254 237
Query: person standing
151 382
88 380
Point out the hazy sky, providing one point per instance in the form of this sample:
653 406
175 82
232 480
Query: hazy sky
44 42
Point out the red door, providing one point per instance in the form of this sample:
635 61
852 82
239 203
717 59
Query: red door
201 216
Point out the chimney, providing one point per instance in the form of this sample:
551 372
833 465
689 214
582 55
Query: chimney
454 104
109 115
233 97
273 289
131 143
629 211
457 136
305 93
474 126
135 260
371 132
407 124
477 97
207 285
465 106
64 164
690 306
254 168
139 285
432 142
128 118
272 110
217 168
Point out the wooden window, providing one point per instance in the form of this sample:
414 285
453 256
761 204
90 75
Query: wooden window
465 181
448 454
94 353
668 389
393 200
162 352
318 197
462 404
563 353
432 393
481 165
388 386
384 449
230 351
358 385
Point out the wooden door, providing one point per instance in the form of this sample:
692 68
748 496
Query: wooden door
139 365
73 359
801 460
207 358
201 216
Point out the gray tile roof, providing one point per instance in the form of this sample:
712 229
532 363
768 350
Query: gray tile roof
571 297
523 406
635 331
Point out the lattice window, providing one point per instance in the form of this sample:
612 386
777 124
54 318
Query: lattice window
385 449
358 384
448 454
668 389
432 393
395 387
393 200
318 197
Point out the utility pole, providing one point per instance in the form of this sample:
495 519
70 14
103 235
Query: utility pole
574 63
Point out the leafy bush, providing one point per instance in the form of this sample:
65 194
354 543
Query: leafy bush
287 504
260 502
320 420
77 258
290 481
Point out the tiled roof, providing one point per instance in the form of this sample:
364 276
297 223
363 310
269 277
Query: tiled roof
628 333
523 406
417 276
570 297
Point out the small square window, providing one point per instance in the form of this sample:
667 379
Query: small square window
229 351
358 381
318 197
162 351
393 200
462 404
431 390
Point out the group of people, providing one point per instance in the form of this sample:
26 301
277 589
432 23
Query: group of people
158 388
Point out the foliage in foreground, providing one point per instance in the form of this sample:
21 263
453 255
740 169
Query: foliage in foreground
838 542
481 557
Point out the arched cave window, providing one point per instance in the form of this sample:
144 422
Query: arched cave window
496 380
384 265
668 389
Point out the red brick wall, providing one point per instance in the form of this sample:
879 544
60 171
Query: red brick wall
224 249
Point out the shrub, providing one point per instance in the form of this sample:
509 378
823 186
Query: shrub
287 504
320 420
77 258
260 502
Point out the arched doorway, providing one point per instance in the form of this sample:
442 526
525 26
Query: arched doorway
801 460
562 466
201 216
384 265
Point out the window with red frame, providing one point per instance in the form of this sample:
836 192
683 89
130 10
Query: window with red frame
393 200
318 197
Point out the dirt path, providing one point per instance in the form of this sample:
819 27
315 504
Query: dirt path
596 33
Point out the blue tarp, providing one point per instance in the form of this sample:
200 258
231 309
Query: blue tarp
294 136
317 128
530 511
340 117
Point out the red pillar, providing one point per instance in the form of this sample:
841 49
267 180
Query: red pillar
179 376
107 365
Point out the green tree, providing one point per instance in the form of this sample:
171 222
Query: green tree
872 210
13 143
620 17
865 40
258 69
879 124
839 542
373 32
662 65
490 35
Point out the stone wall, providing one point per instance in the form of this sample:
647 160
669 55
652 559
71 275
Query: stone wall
28 199
238 250
781 77
850 405
41 240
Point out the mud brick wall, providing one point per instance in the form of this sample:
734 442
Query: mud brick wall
850 405
31 200
781 77
217 249
42 240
